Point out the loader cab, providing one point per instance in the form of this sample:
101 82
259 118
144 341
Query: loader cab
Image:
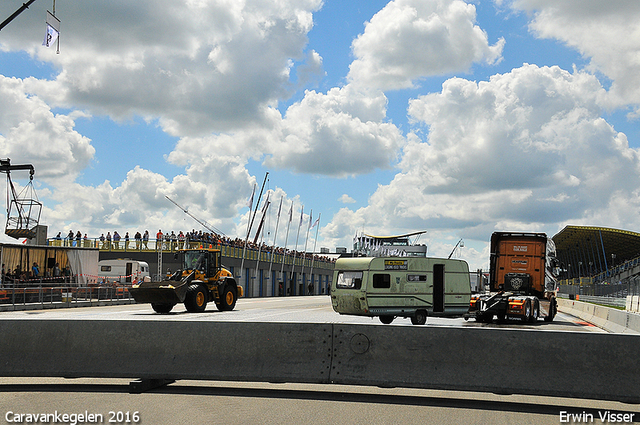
206 262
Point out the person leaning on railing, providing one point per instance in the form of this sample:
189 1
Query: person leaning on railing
172 241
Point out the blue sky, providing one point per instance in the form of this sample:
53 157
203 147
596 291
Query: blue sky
456 117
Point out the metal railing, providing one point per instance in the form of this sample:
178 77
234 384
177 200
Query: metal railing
63 296
606 301
230 251
619 290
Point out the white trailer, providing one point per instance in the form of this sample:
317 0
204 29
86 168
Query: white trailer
390 287
122 270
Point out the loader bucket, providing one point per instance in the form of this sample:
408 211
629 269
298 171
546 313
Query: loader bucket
164 292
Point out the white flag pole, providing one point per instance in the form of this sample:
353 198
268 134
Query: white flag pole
286 239
304 251
313 257
246 239
295 252
273 247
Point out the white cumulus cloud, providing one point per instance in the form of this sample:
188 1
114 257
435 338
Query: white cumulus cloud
605 32
411 39
526 150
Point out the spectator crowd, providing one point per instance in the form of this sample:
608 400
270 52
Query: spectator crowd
140 241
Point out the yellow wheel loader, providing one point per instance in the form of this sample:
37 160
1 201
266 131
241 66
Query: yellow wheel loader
201 279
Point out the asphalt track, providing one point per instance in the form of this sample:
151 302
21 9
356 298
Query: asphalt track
213 402
308 309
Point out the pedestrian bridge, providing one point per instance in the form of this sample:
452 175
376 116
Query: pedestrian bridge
259 270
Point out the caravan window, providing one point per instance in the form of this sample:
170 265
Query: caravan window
349 280
381 281
105 268
416 278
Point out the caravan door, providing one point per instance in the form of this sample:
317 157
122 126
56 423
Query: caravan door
438 288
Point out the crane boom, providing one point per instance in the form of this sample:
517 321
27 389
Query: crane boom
6 167
16 13
211 229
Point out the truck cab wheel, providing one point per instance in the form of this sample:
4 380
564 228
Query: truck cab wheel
228 299
527 311
386 319
196 299
535 313
419 318
553 309
162 308
484 318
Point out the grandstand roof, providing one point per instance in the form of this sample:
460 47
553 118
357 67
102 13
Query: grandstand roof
395 237
595 245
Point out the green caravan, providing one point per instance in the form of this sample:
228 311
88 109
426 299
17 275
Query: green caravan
390 287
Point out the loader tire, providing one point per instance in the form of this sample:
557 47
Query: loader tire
228 298
196 299
162 308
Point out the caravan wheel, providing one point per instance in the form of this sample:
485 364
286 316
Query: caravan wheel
419 318
386 319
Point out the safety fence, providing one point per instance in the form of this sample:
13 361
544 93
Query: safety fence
606 301
63 296
614 290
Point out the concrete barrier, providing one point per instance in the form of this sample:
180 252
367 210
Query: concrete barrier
632 303
610 319
260 352
504 361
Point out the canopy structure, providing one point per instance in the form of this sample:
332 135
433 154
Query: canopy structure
587 251
377 246
395 240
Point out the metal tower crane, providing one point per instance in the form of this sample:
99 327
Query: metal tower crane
23 209
16 13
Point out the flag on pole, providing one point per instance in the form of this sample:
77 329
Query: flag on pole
280 207
301 216
51 37
291 212
310 218
53 30
250 201
315 223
